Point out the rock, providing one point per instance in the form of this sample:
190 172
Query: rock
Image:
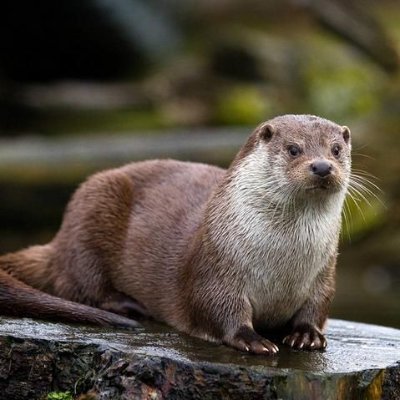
361 362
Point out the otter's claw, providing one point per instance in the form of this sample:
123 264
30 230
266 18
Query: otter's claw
306 338
249 341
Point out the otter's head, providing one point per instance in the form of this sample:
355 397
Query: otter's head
299 156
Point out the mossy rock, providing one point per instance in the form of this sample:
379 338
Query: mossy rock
39 359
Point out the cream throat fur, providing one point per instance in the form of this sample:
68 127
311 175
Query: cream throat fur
278 241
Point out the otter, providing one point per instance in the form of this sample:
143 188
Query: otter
223 255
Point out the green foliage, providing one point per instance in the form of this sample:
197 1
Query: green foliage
241 105
59 396
362 216
340 85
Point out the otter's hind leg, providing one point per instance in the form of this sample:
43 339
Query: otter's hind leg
90 244
122 304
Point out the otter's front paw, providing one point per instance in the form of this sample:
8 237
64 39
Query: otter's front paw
246 339
306 337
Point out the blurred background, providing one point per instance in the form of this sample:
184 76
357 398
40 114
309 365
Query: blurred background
90 84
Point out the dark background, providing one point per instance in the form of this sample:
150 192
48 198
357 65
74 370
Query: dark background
86 85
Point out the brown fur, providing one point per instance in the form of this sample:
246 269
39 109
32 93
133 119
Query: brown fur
141 238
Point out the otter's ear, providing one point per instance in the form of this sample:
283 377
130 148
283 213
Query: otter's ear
346 134
266 132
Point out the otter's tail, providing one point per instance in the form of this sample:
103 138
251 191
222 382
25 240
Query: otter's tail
20 271
30 265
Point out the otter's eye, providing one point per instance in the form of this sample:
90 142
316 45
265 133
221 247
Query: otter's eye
336 150
294 150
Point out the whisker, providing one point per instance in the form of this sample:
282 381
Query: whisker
364 181
366 178
346 218
359 148
355 202
361 172
362 187
360 194
366 186
362 155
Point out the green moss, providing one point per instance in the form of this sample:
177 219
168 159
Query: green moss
60 396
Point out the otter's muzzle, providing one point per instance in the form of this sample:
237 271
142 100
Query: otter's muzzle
322 168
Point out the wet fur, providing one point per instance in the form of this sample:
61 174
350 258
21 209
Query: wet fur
211 252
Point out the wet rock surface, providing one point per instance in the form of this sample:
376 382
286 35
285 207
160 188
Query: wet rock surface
361 362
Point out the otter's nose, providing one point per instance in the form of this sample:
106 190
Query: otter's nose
321 168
